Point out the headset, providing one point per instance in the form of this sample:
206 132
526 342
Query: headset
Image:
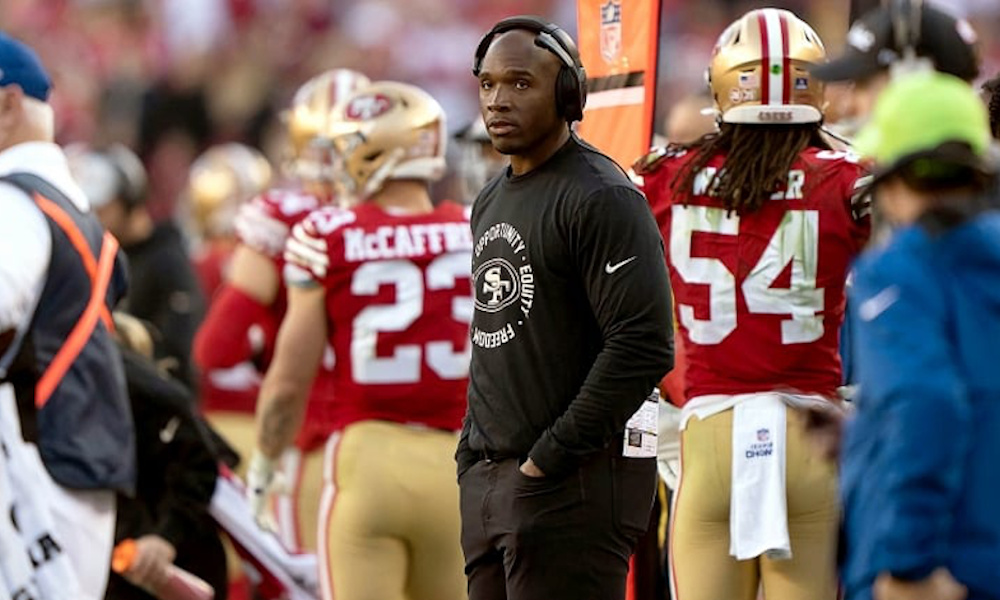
907 17
132 185
571 83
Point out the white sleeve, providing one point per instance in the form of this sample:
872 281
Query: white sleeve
259 230
25 248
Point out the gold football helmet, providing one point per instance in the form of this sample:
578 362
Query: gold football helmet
387 130
307 120
759 70
220 180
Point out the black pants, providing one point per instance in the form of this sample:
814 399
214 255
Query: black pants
554 538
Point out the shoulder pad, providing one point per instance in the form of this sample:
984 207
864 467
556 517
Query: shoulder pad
326 220
288 206
307 252
654 159
259 229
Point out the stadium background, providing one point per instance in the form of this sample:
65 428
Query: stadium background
170 77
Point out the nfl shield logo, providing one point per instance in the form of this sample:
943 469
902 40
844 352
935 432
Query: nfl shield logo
611 31
763 435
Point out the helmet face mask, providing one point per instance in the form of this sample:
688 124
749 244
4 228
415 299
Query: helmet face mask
386 131
759 72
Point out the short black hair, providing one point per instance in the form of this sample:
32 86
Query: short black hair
992 90
950 166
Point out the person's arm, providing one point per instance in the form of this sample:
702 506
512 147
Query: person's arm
464 457
240 325
25 250
619 253
910 384
172 446
281 403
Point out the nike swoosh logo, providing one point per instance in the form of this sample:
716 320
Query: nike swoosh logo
169 430
611 268
871 308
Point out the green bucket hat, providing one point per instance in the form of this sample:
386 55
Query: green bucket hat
927 115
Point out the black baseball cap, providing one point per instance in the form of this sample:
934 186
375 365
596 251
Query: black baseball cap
872 45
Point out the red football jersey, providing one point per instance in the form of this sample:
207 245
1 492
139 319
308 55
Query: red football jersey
759 298
264 224
233 389
398 308
211 261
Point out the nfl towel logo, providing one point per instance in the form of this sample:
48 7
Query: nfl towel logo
611 31
763 435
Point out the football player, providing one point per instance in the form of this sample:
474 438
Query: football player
477 161
220 181
760 222
246 311
387 282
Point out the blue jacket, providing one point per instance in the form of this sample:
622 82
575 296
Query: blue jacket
921 464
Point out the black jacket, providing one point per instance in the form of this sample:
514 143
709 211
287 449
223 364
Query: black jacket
177 474
164 290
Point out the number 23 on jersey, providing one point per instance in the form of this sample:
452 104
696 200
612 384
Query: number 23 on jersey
410 283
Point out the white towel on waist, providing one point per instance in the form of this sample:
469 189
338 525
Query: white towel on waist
758 511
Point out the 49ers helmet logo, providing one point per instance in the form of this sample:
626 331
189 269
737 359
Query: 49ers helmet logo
367 107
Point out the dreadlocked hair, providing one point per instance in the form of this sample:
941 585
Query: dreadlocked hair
758 158
992 89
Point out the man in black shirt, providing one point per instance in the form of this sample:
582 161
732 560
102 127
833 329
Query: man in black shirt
571 331
163 288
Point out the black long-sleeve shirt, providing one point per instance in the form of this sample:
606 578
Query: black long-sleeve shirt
572 324
164 290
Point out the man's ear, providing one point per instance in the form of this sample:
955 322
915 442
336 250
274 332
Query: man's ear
11 108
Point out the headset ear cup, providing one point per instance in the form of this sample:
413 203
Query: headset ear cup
563 97
569 99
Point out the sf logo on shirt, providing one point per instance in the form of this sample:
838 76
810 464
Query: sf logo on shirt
504 286
496 285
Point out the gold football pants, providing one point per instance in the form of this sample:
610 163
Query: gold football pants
389 519
701 567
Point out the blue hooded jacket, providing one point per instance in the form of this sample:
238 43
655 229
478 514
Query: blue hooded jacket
921 464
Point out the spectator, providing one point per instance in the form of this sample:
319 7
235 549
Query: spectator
991 93
910 30
919 463
168 515
61 276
